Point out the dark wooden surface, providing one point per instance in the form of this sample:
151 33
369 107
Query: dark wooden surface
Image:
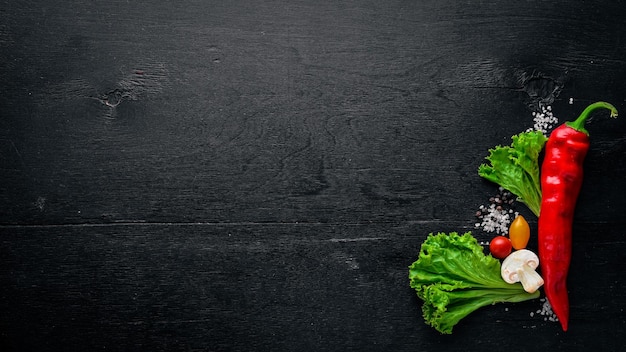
258 175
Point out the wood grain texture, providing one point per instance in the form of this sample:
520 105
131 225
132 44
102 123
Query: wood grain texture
217 113
268 287
241 175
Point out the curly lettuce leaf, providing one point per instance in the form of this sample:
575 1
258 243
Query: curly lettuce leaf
516 168
454 278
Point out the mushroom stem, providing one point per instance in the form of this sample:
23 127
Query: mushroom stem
530 279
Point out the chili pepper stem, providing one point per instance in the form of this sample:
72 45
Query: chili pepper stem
579 123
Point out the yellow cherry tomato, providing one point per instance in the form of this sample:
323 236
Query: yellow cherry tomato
519 233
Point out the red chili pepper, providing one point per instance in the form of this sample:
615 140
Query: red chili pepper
561 178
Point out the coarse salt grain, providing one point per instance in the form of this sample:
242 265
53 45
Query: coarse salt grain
544 120
545 311
498 215
495 220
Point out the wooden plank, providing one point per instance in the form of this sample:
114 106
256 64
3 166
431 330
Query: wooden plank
269 287
248 112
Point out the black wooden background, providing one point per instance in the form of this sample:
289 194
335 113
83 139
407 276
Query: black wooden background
258 175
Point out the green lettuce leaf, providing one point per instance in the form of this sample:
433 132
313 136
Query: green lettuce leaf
516 168
454 278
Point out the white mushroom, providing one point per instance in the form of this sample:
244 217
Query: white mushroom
520 266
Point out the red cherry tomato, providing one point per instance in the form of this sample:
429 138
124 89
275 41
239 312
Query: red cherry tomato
500 247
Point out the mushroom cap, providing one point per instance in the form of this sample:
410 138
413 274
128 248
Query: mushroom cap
515 261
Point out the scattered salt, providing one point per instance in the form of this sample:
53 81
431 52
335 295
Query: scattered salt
497 216
544 120
545 311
